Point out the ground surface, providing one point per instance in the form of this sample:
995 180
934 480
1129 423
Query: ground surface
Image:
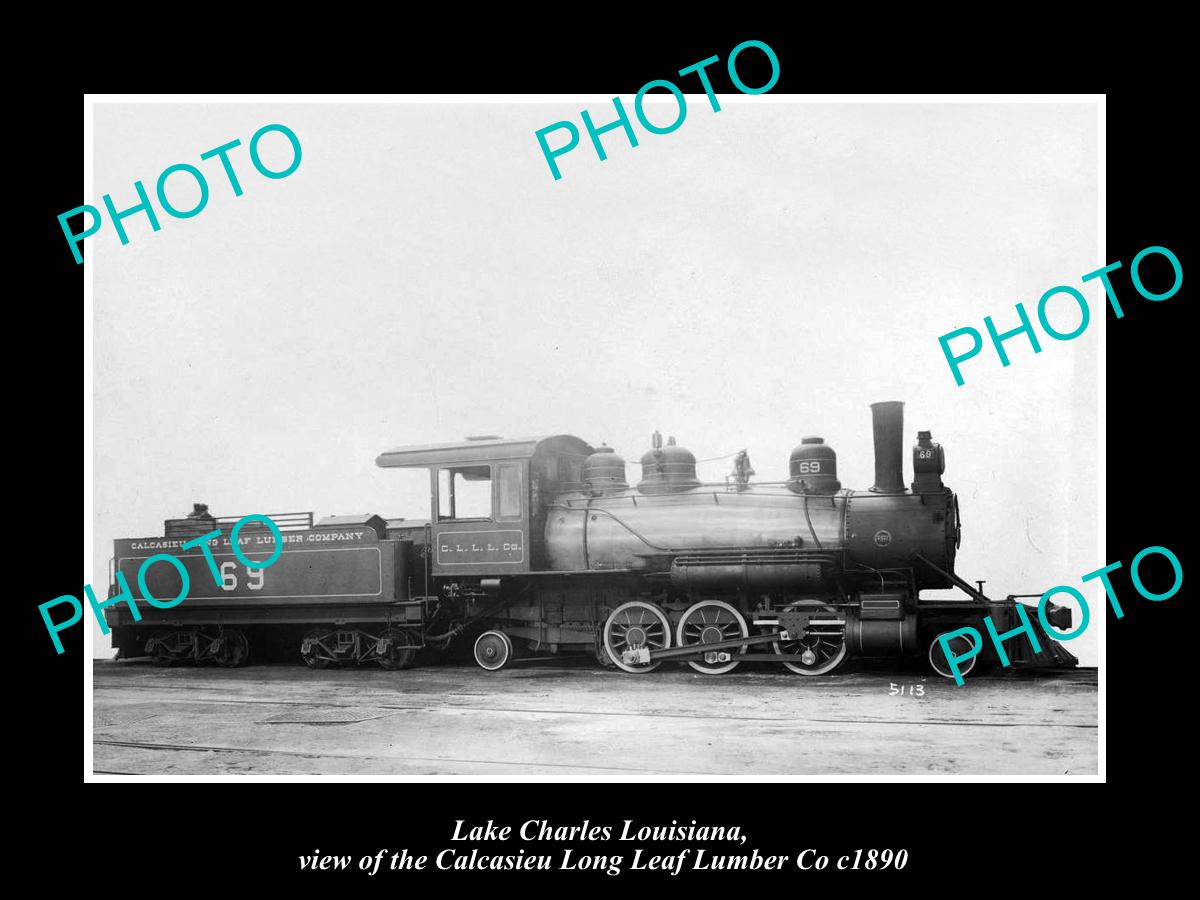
579 721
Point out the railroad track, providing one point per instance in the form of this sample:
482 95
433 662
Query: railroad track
261 720
390 757
442 705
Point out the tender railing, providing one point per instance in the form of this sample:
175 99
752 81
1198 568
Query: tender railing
194 527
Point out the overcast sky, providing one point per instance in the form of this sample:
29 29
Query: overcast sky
761 274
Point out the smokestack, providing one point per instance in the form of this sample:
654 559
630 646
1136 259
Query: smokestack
888 418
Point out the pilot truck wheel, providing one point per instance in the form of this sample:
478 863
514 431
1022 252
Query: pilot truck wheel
959 645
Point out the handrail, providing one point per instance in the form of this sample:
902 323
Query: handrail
193 527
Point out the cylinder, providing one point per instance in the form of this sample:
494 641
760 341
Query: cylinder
881 637
888 419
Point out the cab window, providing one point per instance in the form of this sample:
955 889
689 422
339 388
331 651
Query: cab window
508 493
465 492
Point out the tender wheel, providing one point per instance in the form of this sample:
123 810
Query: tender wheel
234 650
160 655
816 653
398 657
632 626
707 622
493 650
958 646
313 655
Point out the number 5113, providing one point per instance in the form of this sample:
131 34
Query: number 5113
899 690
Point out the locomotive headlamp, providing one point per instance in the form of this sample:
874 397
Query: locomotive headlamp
1057 615
929 463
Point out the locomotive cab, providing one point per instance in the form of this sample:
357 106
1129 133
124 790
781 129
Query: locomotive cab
487 495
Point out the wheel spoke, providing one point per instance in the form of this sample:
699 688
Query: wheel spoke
694 629
649 625
827 646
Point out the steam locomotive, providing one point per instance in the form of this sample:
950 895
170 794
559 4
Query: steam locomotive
541 546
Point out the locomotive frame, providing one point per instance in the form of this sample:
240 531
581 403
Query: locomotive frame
538 545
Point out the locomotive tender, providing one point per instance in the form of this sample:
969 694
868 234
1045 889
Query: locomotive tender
541 545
